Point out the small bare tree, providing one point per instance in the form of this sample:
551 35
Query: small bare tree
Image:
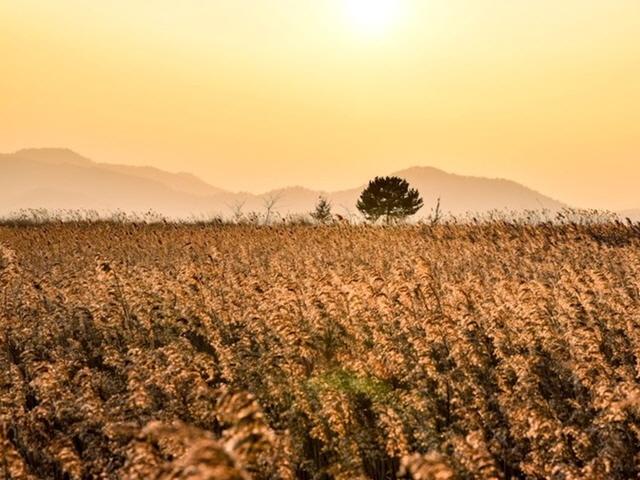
436 216
236 210
269 203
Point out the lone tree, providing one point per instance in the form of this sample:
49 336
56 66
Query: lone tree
322 213
389 197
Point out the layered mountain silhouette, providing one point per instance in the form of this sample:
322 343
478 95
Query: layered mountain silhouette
62 179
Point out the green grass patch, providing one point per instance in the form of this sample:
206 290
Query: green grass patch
352 384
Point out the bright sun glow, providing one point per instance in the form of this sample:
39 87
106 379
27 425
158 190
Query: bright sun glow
373 17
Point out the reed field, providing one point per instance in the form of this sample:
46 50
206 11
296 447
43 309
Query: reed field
489 349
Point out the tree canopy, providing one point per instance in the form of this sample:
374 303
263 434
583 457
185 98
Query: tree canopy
390 198
322 212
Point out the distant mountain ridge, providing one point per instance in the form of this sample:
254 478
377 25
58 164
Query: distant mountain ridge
182 182
57 178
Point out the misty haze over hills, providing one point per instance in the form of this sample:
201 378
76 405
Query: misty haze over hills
62 179
633 214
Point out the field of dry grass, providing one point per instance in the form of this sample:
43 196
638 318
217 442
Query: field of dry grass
232 352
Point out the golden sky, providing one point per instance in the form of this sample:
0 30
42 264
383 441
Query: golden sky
255 94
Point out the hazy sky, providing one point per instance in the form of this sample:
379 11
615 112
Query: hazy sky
253 94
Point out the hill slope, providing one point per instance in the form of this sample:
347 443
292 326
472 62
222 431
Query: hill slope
62 179
461 194
54 183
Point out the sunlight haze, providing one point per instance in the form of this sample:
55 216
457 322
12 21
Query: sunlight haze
256 94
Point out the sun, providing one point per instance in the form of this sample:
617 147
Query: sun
372 17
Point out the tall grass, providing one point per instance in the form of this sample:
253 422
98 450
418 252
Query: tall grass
486 349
